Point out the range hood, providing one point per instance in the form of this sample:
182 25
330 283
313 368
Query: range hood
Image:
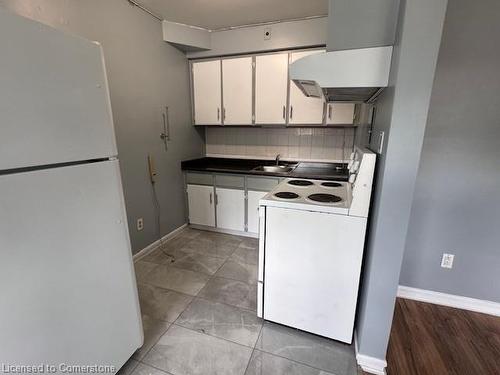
355 75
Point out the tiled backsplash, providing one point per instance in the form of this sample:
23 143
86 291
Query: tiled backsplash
317 144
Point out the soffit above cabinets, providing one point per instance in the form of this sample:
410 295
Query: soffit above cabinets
221 14
202 43
275 31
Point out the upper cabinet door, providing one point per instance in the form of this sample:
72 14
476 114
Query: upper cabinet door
271 86
340 113
304 110
237 91
207 92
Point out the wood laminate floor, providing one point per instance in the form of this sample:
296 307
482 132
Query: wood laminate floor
428 339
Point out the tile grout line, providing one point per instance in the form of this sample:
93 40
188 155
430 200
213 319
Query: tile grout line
211 277
197 296
249 361
157 368
170 324
295 361
215 337
280 356
190 303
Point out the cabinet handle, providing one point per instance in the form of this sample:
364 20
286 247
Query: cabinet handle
210 198
216 199
218 113
284 109
329 112
291 111
224 113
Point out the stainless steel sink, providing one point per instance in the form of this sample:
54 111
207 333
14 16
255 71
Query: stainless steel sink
274 168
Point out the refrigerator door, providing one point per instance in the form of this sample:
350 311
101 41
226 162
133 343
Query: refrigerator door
54 99
67 285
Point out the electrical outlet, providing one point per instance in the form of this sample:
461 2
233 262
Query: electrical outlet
140 223
267 33
447 260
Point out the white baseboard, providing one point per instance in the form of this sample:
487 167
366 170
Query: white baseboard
151 247
451 300
369 364
225 231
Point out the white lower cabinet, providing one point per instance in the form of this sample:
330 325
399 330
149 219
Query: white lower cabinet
230 209
201 204
253 210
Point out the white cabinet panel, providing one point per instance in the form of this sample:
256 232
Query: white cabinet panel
253 210
340 113
207 92
323 255
54 99
237 91
304 110
201 205
271 85
230 209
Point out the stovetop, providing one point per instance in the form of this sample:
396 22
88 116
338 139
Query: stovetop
313 195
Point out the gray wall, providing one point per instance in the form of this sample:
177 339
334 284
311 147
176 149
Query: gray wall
144 74
456 207
402 113
361 23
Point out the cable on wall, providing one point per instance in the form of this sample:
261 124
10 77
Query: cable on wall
157 207
144 9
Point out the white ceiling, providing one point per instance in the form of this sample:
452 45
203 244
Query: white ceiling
216 14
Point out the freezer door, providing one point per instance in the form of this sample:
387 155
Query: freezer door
54 99
67 285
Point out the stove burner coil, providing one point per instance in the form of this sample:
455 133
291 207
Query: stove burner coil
286 195
324 198
331 184
300 183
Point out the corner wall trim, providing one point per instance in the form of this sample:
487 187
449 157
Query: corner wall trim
369 364
153 246
450 300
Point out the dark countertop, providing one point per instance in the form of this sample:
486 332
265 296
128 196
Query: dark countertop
322 171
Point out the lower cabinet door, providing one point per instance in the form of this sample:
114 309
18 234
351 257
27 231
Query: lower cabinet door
253 210
230 209
201 202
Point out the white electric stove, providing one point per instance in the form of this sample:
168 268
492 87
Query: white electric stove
311 240
331 196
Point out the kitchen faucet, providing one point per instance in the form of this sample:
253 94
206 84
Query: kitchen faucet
278 159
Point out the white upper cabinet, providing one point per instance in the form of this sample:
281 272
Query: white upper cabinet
340 113
304 110
207 92
237 91
271 86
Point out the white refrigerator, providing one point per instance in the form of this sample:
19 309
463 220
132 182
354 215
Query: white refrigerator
68 294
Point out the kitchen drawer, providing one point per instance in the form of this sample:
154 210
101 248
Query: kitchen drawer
199 178
262 183
230 181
